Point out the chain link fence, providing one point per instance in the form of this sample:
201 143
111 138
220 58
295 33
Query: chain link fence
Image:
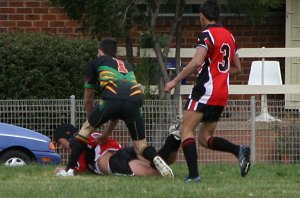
275 140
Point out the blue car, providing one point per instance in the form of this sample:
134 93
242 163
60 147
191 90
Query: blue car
20 146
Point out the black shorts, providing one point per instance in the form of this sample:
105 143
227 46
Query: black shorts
119 162
210 113
124 110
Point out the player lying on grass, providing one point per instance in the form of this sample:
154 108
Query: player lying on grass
110 157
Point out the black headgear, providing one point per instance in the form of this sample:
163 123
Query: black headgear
65 131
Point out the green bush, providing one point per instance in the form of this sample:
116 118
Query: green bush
37 66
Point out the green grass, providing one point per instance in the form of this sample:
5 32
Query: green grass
217 181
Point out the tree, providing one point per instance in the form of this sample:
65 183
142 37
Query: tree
103 17
119 16
254 10
175 30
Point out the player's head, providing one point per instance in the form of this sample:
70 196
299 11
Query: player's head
108 46
64 135
210 10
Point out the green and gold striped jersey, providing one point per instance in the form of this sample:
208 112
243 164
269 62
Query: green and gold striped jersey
114 79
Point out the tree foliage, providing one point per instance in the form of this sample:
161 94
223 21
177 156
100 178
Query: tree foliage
254 10
96 16
104 17
119 16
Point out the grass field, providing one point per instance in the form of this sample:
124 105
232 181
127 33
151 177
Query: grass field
217 181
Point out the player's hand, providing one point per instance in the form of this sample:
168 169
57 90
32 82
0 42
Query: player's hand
170 85
58 169
61 172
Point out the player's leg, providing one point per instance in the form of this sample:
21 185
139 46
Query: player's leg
170 148
125 162
135 124
96 118
150 153
190 121
141 168
208 140
119 162
79 145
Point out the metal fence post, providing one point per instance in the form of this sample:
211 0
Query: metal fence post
253 131
72 108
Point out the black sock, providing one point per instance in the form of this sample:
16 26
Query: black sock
171 145
149 153
221 144
190 154
77 148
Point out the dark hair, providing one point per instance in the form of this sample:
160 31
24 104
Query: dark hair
108 46
65 130
211 10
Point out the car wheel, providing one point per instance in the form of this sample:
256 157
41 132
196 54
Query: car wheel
14 158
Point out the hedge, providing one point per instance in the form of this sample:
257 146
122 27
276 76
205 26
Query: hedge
43 66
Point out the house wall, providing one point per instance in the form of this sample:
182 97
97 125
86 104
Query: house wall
35 16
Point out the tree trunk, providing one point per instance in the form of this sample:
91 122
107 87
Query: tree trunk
153 10
178 14
128 39
167 111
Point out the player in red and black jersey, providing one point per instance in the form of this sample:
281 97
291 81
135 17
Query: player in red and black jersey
215 59
110 157
122 98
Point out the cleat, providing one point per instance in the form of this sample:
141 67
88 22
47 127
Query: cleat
175 130
64 173
244 160
162 167
187 179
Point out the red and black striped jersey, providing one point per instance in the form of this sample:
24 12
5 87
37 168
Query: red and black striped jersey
211 86
94 152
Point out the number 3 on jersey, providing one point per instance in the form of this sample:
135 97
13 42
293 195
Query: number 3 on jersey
121 66
225 51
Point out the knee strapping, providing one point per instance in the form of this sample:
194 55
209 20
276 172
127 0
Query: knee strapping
81 138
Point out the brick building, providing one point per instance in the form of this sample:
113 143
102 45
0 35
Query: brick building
40 16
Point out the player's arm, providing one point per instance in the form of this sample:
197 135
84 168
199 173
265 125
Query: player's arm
235 67
89 87
189 69
110 127
107 132
81 163
192 65
89 100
